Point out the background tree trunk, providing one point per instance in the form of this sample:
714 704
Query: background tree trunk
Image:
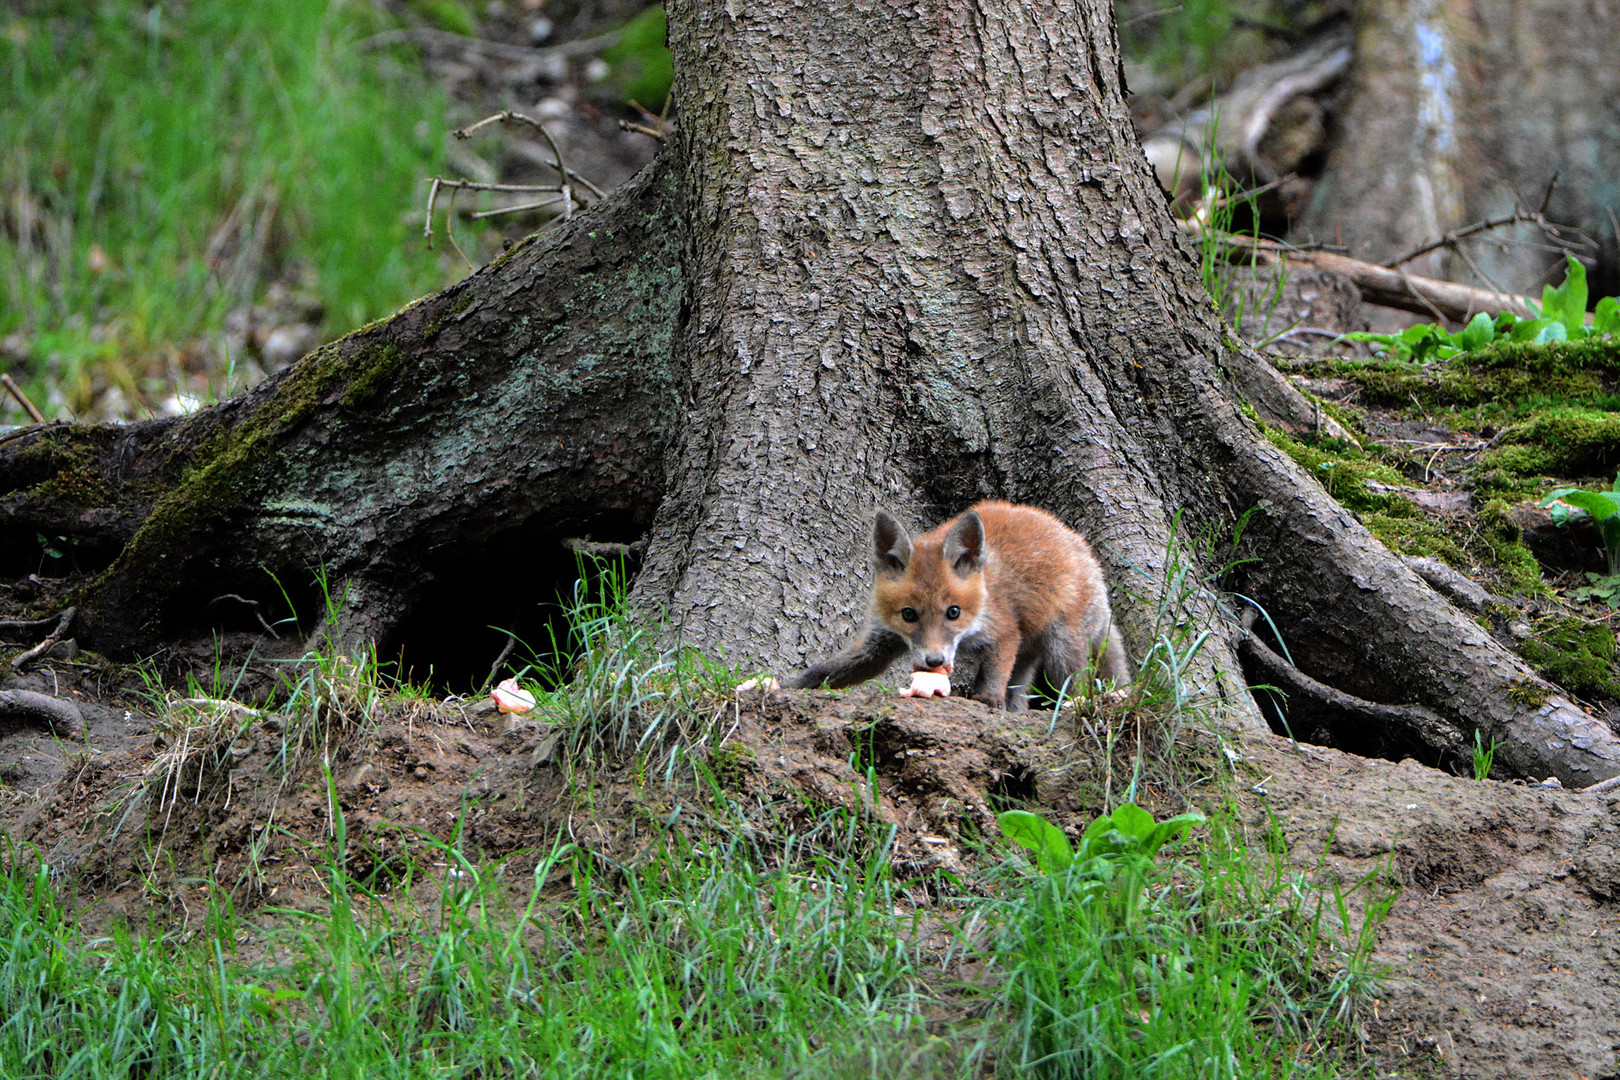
1463 110
895 258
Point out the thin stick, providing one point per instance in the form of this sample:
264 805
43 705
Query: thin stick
509 117
62 623
497 49
511 642
427 229
1452 238
479 214
22 398
254 604
1546 200
473 185
450 229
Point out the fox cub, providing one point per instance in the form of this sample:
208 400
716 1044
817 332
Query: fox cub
1011 582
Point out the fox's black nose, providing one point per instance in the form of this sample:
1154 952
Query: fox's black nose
935 660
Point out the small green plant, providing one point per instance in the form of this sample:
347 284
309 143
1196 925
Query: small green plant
1129 833
1603 507
1483 756
1561 316
612 687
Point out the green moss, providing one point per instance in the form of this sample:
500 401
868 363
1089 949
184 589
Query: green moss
374 377
1417 535
71 469
1561 442
1492 540
1577 655
1529 694
1505 380
1504 540
1557 358
1346 472
235 465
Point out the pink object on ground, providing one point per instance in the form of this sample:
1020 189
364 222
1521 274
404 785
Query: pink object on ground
928 684
511 698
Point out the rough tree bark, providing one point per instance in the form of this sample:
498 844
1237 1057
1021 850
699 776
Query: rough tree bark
902 257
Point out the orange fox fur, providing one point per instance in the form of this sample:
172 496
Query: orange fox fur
1012 583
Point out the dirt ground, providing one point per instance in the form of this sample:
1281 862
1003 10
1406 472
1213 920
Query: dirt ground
1502 946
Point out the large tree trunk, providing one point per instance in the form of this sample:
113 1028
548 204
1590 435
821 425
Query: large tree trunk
899 258
1463 111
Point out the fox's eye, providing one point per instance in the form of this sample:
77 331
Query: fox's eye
909 614
952 613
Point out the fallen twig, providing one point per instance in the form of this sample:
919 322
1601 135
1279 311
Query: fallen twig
22 399
606 549
63 622
511 643
1453 238
655 127
498 49
507 116
253 604
1379 284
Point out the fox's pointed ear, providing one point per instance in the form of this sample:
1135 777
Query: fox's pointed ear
891 544
964 544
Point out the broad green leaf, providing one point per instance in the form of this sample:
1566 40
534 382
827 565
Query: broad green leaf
1170 828
1527 329
1094 841
1133 821
1602 505
1567 303
1606 317
1480 331
1051 847
1553 331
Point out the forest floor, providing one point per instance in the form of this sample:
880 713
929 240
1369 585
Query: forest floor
1500 950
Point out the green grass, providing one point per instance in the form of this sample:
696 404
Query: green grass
707 956
163 163
1221 964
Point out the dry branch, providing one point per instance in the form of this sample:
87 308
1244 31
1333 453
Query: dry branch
22 399
63 622
1378 284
